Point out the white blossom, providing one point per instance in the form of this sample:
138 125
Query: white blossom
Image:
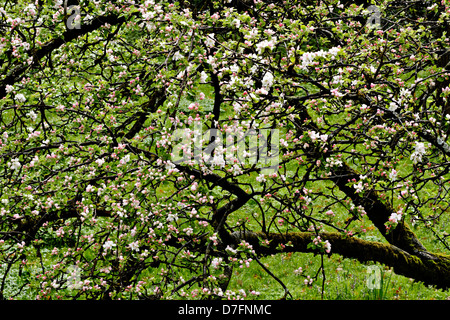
172 217
230 250
261 46
215 263
234 68
267 81
359 187
32 115
314 135
334 51
177 56
126 158
88 19
109 245
393 175
203 77
134 246
392 106
14 164
395 217
100 162
31 9
210 40
20 97
218 160
419 151
261 178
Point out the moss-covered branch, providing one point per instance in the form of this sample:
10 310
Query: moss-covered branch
431 269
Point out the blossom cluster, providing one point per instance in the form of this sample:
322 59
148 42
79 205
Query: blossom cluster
320 245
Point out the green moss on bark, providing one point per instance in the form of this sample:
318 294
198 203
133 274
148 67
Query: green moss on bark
429 268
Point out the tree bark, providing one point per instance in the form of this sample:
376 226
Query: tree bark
434 270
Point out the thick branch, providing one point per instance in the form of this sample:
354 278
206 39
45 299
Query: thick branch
433 270
29 226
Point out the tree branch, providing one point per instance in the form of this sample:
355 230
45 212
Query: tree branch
432 270
47 48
